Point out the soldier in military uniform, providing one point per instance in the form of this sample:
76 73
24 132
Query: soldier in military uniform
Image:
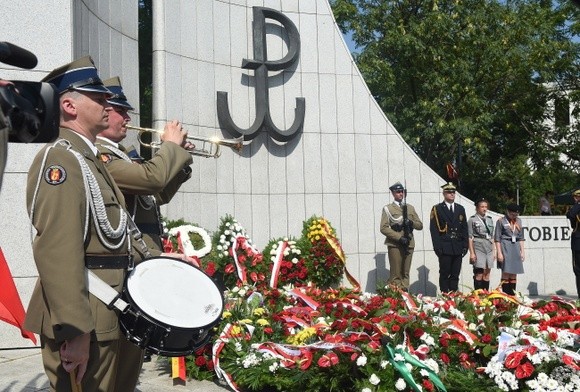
145 184
481 247
77 211
448 226
574 216
398 230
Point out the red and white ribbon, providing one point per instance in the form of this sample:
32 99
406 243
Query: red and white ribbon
307 300
282 245
239 267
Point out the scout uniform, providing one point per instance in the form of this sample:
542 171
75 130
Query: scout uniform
450 240
509 234
573 216
400 248
80 221
139 180
480 230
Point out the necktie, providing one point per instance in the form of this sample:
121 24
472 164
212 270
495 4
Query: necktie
451 208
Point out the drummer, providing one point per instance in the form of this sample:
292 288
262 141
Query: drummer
79 335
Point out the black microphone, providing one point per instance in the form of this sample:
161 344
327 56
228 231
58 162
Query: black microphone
14 55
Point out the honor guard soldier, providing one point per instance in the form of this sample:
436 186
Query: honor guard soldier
481 247
80 221
398 221
448 226
573 216
145 184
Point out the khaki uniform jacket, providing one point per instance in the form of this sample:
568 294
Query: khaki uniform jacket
61 307
393 213
160 176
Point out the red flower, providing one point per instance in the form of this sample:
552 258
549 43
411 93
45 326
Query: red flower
486 338
525 370
210 269
445 358
229 268
268 331
327 360
428 385
418 333
514 359
200 361
396 328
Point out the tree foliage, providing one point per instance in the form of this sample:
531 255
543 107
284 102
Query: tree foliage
478 77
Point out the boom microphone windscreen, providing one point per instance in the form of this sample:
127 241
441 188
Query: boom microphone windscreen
14 55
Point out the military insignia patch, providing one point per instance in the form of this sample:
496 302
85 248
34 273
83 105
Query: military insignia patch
55 175
106 158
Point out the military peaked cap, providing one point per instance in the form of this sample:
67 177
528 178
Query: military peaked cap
118 98
79 75
576 192
397 186
449 187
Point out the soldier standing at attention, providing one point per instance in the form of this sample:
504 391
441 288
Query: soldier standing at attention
448 226
573 216
80 221
397 224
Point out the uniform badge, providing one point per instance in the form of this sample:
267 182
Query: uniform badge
55 175
106 158
461 218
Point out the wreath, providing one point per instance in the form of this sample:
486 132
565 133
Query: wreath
182 233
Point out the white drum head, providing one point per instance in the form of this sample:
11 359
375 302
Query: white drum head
175 293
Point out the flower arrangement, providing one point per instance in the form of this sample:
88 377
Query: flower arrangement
235 257
307 332
326 260
288 262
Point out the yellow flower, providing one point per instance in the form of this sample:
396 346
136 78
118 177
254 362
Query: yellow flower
236 330
245 321
262 322
259 311
301 337
227 314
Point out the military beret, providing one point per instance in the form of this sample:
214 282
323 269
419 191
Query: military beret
449 187
397 186
576 192
512 207
118 98
79 75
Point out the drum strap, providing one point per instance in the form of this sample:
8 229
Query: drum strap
104 292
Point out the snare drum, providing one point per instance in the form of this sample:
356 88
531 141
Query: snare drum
172 307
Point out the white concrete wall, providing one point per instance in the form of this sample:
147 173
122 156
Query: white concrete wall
340 166
56 32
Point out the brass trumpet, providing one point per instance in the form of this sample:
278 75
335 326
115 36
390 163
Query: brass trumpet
214 143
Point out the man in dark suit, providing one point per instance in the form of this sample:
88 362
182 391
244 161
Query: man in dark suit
448 226
573 216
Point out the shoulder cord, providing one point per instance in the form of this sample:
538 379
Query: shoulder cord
145 201
95 204
391 217
441 230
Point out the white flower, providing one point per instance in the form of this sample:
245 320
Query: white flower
384 364
366 390
294 260
361 361
374 379
400 384
273 367
227 232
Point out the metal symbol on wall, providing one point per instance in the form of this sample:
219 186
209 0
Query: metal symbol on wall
261 65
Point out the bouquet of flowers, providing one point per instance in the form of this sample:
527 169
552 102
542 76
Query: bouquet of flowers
235 257
288 263
325 261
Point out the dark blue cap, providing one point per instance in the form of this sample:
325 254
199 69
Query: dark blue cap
118 98
79 75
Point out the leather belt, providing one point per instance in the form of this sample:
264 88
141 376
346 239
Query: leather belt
120 261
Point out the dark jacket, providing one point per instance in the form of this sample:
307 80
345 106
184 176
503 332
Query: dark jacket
448 231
